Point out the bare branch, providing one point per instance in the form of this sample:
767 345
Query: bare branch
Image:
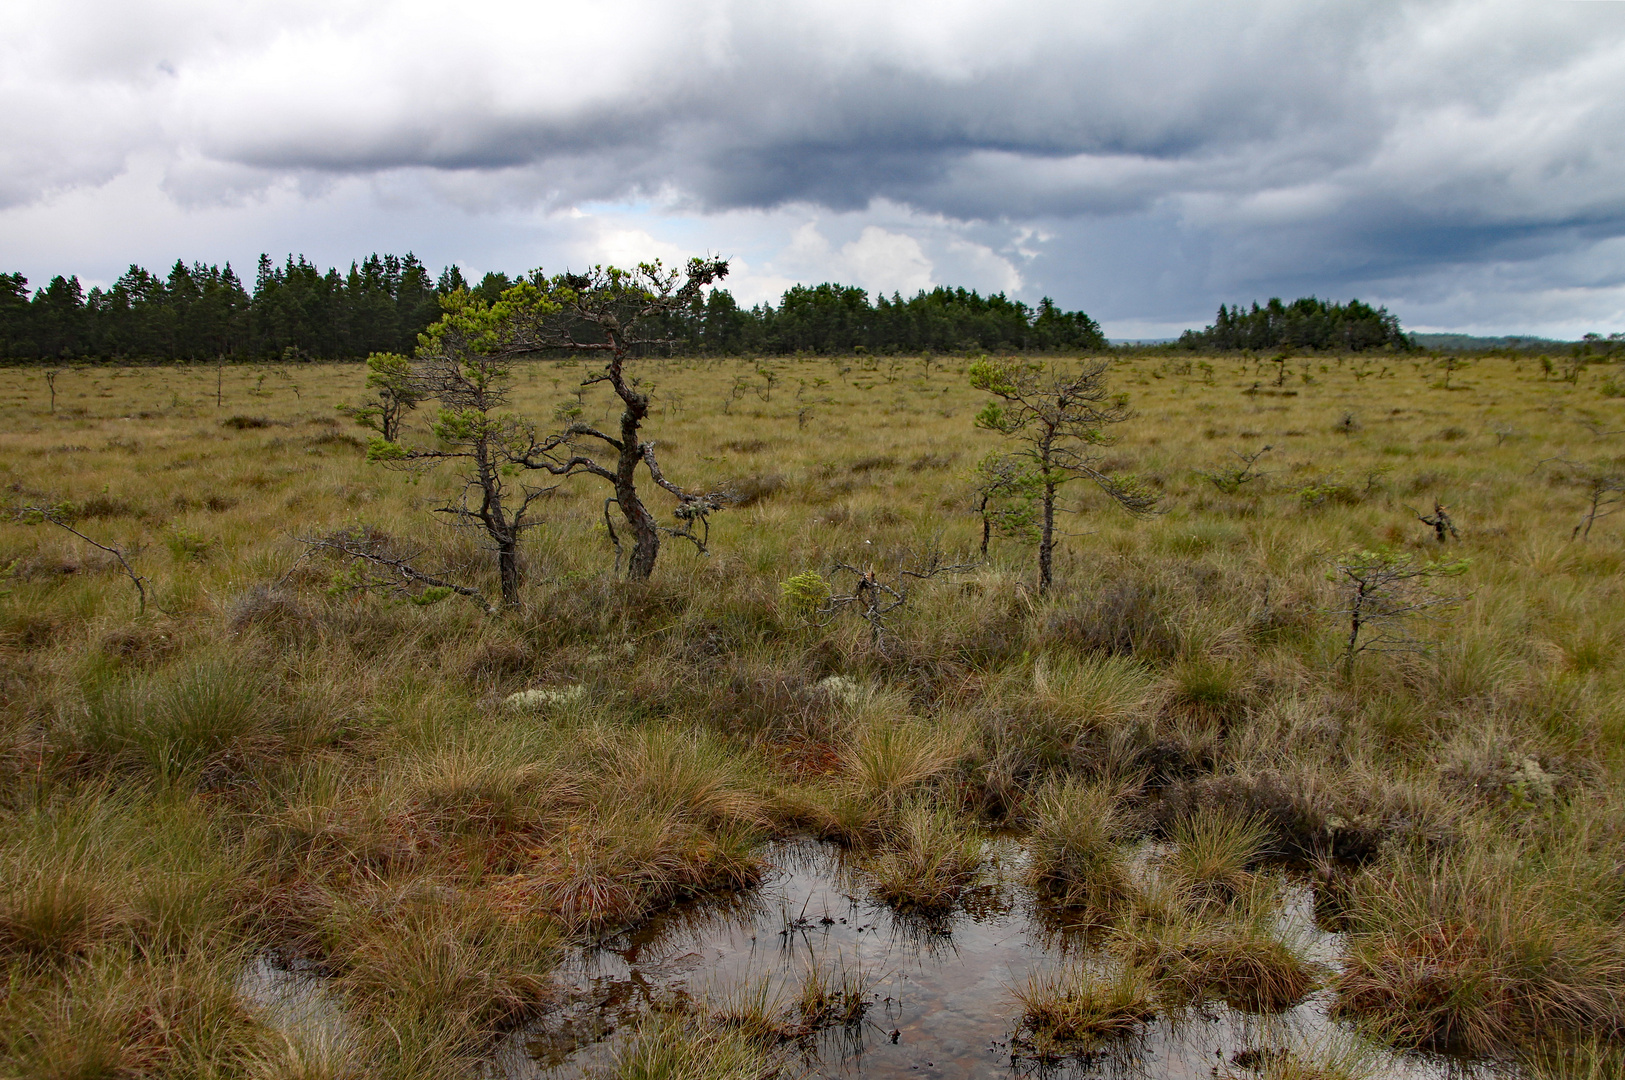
369 548
56 516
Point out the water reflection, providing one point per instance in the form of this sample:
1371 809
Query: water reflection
938 988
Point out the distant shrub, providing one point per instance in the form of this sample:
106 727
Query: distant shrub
750 490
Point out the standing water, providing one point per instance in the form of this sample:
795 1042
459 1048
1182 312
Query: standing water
939 991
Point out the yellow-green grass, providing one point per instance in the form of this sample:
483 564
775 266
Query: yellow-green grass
283 765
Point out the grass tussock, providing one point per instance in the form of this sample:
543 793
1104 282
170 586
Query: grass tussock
1197 951
1077 1005
1213 856
423 957
1327 1059
201 722
1242 965
1075 854
103 871
1479 948
930 859
685 1049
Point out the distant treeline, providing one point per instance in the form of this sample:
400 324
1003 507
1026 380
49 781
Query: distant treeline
1306 323
297 312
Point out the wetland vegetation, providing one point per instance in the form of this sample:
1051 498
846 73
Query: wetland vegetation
1277 744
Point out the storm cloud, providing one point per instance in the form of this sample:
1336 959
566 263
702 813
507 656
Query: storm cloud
1462 162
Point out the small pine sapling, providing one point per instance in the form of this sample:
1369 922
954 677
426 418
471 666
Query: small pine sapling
1003 493
876 594
1605 493
1383 589
1060 417
398 393
1233 478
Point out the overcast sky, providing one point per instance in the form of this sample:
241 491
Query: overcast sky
1462 163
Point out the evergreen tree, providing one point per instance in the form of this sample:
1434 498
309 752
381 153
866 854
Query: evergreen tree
1306 323
297 310
16 331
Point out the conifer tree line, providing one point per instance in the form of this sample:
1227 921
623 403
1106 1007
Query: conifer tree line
296 311
1306 323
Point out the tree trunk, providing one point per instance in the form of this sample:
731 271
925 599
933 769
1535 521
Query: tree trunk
508 570
1046 542
1046 539
645 533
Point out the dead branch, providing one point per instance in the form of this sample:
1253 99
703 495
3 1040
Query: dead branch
56 516
364 547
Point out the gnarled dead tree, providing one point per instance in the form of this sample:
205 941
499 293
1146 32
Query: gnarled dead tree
1439 521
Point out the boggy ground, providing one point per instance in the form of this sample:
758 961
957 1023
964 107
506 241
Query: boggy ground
262 764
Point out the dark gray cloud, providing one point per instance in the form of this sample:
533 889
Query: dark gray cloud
1146 161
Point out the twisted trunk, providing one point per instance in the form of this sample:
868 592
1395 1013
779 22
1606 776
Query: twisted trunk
645 531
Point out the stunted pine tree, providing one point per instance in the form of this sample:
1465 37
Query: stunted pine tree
397 392
1059 418
461 363
617 315
1382 591
1003 488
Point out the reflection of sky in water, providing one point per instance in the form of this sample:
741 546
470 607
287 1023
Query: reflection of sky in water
943 988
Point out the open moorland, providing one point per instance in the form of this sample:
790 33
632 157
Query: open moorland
265 765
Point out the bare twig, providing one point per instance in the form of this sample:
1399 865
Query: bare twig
874 599
56 516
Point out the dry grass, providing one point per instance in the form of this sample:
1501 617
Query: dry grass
931 858
266 759
1234 953
1482 948
1213 855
